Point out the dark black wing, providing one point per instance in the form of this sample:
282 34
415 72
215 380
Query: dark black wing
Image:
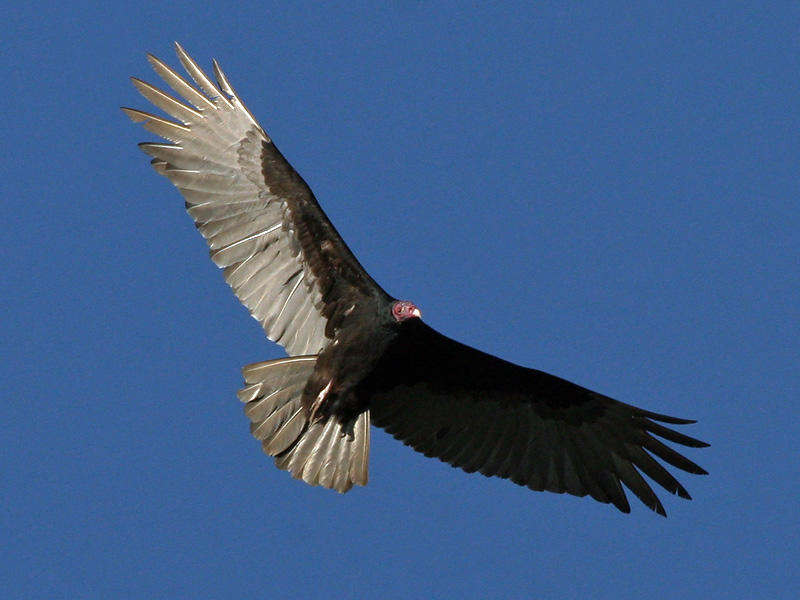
480 413
281 255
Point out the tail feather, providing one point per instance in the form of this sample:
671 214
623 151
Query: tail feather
328 453
288 433
310 471
359 461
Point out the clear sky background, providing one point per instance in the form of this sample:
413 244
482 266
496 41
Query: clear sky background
604 191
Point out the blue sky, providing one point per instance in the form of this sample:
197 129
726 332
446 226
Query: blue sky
604 191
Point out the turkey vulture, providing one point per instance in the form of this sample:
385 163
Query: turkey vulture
356 354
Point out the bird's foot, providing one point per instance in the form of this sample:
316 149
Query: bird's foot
316 414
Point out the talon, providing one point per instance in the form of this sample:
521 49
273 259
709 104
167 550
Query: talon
315 407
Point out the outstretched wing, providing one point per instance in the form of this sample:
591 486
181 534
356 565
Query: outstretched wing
280 254
480 413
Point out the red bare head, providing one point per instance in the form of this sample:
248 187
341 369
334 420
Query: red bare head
403 309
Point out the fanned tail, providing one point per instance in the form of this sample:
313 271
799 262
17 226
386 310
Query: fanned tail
328 453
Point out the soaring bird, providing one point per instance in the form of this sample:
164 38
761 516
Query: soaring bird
359 356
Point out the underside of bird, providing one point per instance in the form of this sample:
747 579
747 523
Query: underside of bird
351 343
